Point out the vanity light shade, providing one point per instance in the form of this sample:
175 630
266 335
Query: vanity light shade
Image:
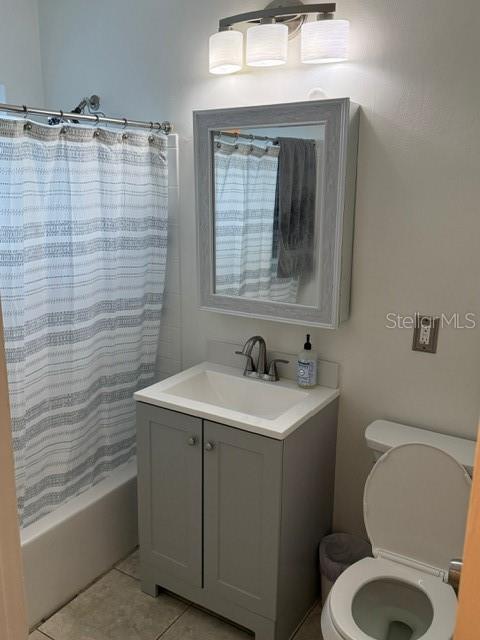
325 41
226 52
267 45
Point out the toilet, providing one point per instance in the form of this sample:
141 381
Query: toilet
415 509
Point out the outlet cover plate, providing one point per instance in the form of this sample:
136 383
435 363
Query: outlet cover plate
425 334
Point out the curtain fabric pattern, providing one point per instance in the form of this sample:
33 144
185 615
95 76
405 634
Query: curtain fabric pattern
245 184
245 188
83 247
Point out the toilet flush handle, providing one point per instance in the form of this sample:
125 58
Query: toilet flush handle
455 573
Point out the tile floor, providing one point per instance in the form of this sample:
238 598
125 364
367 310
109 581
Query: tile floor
114 608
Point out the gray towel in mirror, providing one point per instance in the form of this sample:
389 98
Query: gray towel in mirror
294 221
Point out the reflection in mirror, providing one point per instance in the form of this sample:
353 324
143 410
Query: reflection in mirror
267 207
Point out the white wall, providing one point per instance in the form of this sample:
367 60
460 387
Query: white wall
20 68
413 69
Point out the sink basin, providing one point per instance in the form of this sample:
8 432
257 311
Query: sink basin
222 394
238 394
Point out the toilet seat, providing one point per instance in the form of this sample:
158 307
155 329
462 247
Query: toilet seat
440 594
415 507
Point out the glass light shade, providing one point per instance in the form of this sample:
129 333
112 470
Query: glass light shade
267 45
325 41
226 52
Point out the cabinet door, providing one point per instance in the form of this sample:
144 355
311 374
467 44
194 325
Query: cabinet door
242 497
170 494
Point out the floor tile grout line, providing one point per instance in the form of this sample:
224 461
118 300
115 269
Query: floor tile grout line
173 622
45 634
125 573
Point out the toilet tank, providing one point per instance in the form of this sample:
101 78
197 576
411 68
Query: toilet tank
382 435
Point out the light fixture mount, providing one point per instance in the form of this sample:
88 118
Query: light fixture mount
294 22
293 15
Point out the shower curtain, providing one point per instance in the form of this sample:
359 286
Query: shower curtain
245 188
83 246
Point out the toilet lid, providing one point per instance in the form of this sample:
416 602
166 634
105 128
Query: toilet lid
415 506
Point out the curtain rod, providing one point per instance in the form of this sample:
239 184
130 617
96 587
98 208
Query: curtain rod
165 127
252 136
247 136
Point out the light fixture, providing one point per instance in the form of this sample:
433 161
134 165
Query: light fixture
226 52
267 42
267 45
324 40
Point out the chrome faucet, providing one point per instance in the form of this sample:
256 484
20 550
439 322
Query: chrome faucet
259 370
250 366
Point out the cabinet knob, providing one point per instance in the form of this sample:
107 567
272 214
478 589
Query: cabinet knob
192 441
210 446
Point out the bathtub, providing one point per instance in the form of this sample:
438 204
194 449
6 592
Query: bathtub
70 547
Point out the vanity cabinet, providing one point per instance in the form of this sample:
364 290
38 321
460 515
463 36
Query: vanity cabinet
231 520
242 491
170 492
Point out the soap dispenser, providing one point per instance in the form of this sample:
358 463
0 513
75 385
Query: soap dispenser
307 366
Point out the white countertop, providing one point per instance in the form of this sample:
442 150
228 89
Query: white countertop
272 409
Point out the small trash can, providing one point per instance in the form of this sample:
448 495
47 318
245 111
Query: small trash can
337 552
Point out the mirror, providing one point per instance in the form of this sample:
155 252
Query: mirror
275 202
267 210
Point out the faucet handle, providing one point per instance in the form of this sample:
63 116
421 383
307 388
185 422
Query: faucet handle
250 364
455 573
273 370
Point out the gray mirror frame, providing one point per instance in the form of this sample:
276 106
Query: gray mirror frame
340 118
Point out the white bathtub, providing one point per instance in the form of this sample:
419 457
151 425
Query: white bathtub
70 547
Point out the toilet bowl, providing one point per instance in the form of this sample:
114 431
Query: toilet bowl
384 600
415 508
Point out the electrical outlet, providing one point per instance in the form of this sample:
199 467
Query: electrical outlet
425 334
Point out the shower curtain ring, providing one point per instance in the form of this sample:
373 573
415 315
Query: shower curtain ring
25 111
96 132
125 123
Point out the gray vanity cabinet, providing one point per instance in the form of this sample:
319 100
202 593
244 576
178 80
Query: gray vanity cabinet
231 520
170 483
242 505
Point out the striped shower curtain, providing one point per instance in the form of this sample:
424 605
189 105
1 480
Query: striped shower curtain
245 188
83 242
